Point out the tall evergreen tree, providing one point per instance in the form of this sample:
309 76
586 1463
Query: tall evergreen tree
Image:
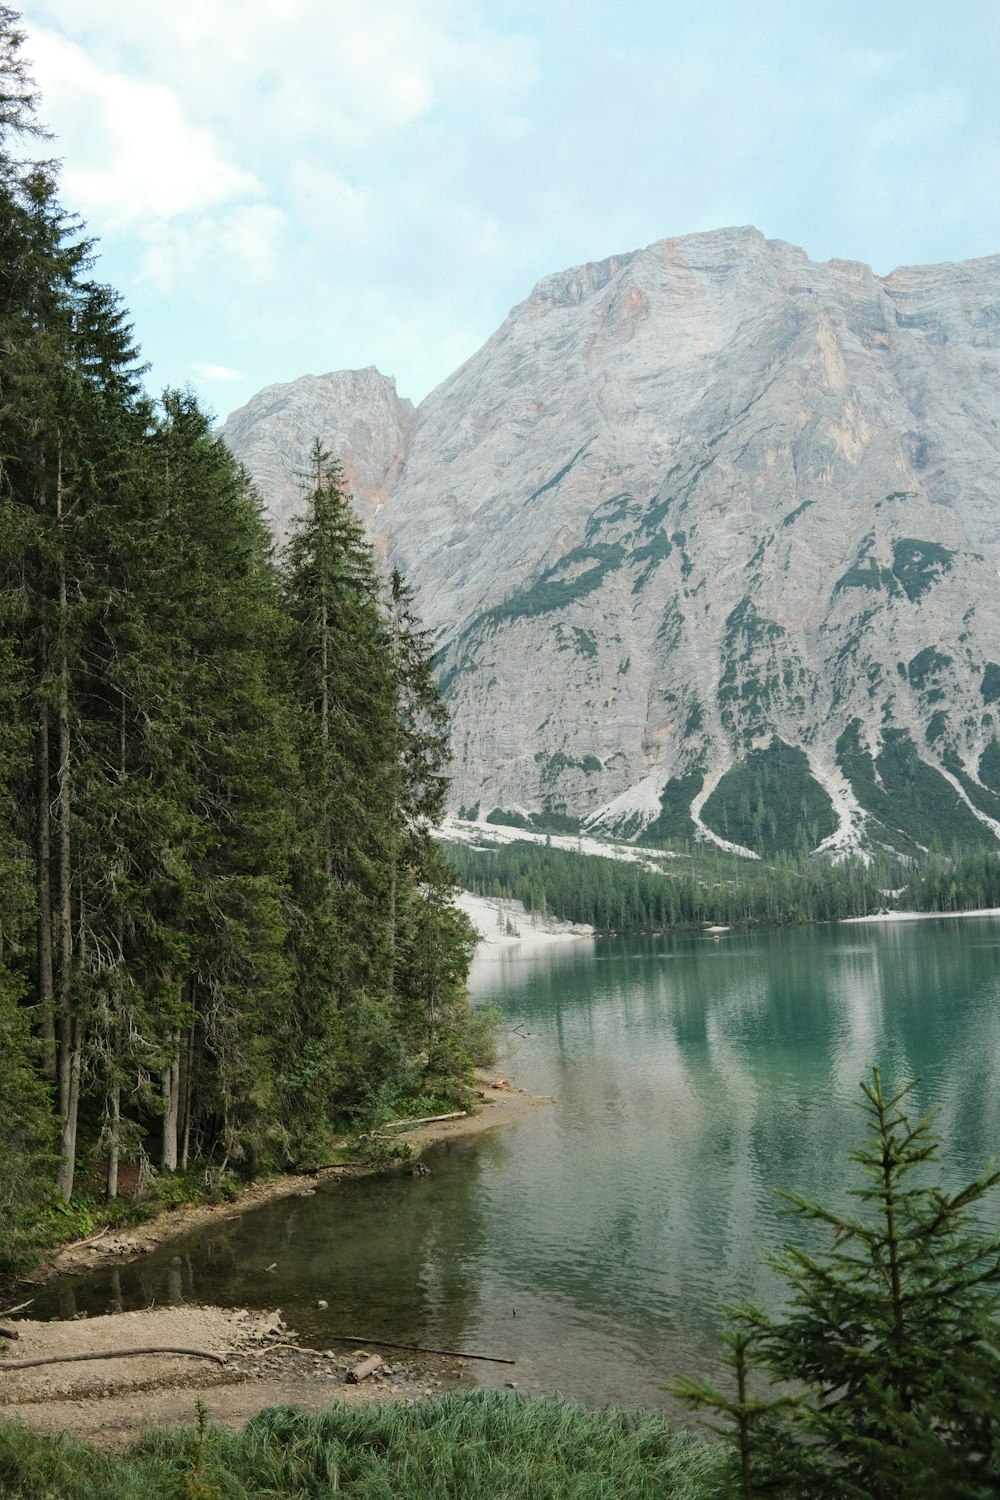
342 678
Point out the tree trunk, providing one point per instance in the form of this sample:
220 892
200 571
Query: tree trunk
73 1050
324 728
70 1040
188 1074
114 1147
171 1079
65 852
43 855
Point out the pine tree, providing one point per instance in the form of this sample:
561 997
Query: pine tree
224 757
890 1341
341 676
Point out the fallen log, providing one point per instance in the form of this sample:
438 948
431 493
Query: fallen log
67 1359
364 1369
5 1312
458 1114
354 1338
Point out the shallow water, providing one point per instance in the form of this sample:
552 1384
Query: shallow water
594 1240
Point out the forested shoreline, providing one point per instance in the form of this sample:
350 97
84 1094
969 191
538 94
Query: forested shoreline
705 886
225 930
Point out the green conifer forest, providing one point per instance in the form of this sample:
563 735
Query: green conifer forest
224 929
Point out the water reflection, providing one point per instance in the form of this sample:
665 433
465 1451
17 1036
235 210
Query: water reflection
594 1241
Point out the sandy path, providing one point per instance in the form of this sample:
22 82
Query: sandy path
109 1401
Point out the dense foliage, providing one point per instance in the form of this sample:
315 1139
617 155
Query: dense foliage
882 1374
224 929
617 896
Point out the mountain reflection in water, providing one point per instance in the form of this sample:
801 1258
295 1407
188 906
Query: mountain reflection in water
594 1240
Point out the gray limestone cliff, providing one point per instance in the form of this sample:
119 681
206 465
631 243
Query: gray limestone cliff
356 415
709 537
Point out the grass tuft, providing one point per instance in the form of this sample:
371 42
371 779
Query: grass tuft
471 1446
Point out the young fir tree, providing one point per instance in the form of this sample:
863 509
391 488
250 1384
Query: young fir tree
70 414
25 1123
890 1343
431 941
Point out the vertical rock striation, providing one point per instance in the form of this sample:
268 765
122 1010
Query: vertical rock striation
709 536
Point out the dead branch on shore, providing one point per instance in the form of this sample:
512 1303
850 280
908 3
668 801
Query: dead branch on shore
458 1114
66 1359
354 1338
5 1312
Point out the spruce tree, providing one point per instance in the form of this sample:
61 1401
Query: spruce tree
890 1342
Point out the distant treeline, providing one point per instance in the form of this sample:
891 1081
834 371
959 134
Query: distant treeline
705 886
615 896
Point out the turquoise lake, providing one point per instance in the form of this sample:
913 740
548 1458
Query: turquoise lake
594 1240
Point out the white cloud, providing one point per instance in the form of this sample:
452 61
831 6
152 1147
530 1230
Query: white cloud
134 155
216 372
348 75
239 248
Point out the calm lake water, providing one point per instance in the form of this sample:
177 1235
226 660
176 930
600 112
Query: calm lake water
594 1240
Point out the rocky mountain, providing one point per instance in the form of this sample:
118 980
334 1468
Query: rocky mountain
357 415
709 537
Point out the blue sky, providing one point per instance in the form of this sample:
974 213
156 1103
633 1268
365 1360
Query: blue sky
283 187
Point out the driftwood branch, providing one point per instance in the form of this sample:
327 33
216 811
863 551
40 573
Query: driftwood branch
5 1312
458 1114
79 1244
66 1359
354 1338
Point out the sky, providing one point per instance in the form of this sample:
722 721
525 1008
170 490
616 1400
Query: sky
287 187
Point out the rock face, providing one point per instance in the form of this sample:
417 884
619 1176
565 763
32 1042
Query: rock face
356 415
709 536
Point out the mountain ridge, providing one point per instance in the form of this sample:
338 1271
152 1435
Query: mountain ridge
707 529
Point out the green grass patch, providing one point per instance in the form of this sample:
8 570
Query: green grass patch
558 477
990 685
585 642
937 727
674 820
554 765
793 515
866 574
559 585
504 817
616 508
987 801
651 554
989 766
926 664
475 1446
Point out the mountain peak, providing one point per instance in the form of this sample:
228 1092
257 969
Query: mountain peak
708 533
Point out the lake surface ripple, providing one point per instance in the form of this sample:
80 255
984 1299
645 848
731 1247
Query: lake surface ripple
594 1240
